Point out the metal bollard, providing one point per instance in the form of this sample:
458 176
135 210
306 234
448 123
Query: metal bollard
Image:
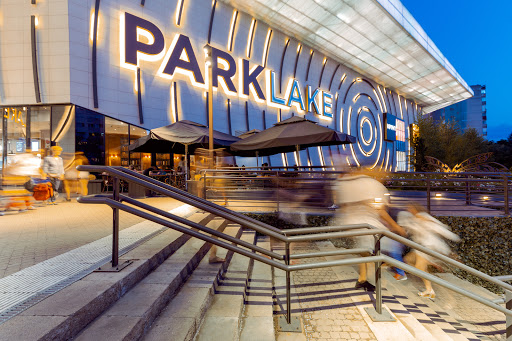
115 226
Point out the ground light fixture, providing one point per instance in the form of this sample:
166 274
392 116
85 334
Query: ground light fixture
485 197
438 195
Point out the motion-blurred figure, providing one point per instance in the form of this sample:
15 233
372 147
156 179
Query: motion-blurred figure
362 200
428 232
53 167
76 180
17 182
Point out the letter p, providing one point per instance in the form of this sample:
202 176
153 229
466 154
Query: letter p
134 48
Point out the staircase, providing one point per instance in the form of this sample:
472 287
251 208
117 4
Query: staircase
171 291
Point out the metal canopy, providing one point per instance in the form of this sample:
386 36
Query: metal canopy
378 38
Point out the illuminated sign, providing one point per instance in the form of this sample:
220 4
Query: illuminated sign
142 40
394 128
16 115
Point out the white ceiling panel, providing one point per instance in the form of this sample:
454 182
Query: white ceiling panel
379 38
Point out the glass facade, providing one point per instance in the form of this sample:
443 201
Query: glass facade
139 161
26 129
470 113
103 140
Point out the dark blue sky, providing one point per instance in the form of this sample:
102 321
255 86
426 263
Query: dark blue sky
476 37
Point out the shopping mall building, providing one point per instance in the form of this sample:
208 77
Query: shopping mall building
95 75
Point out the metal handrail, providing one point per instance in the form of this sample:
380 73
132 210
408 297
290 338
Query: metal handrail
321 233
298 267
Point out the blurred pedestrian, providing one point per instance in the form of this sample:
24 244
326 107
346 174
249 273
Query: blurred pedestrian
430 233
363 200
53 168
74 179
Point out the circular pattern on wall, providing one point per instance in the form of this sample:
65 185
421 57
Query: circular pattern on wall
364 122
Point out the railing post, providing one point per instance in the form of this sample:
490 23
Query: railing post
378 279
428 196
115 226
468 194
204 186
288 287
508 305
277 190
377 314
505 194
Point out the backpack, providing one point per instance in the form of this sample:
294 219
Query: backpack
43 191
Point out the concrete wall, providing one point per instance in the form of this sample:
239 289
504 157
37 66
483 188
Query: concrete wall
16 76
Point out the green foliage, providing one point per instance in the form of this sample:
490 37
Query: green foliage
444 141
485 246
502 151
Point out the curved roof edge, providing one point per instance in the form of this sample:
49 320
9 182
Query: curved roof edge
400 13
377 38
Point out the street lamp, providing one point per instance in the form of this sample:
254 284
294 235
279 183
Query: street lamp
208 62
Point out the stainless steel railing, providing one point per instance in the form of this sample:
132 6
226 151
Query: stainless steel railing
288 237
270 189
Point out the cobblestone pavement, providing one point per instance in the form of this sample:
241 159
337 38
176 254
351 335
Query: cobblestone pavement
28 238
328 311
330 307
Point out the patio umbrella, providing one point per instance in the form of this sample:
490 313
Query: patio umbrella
293 134
182 137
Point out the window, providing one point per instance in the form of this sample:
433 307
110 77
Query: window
90 137
116 135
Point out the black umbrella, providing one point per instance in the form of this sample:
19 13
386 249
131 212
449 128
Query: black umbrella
182 137
290 135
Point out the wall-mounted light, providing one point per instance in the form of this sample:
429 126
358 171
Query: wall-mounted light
36 21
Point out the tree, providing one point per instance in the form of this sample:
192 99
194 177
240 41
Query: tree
502 151
445 142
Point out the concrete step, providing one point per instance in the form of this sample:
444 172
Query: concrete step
182 316
222 319
131 316
257 316
63 315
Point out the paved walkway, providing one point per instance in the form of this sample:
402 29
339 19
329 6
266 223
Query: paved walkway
332 309
30 237
326 303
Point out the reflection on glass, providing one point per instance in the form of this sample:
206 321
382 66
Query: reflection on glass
139 161
116 135
40 128
90 131
16 132
63 131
